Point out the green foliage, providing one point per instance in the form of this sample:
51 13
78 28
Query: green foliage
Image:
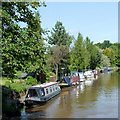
22 46
95 58
84 55
7 84
77 57
59 53
18 84
18 87
105 61
48 76
59 35
110 54
115 47
104 45
31 81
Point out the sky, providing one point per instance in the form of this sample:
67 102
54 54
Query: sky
97 20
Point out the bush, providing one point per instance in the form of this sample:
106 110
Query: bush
18 87
31 81
7 84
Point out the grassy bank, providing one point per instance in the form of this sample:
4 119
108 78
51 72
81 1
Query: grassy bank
18 85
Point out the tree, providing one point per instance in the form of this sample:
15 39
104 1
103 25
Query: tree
77 56
95 55
115 48
59 36
110 54
86 55
104 61
104 45
60 39
57 54
22 47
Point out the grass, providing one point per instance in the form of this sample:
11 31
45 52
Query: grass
15 84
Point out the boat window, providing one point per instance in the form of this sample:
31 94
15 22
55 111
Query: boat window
42 92
56 87
46 91
50 89
32 93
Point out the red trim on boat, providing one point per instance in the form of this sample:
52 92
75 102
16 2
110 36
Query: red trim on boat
49 85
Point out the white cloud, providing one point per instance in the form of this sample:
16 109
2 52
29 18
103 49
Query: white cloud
100 41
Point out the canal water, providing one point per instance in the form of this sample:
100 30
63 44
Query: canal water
91 99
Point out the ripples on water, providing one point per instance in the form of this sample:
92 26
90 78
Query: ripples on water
91 99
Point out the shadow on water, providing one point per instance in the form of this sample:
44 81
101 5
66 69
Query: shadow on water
91 99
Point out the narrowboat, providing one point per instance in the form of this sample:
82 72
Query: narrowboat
67 81
110 68
41 93
103 70
74 79
95 72
89 74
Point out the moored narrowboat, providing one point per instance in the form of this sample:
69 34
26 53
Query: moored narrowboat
89 74
41 93
110 68
65 82
70 80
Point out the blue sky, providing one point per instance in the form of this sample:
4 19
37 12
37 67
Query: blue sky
97 20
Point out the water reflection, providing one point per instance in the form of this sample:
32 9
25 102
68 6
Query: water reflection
90 99
82 86
89 82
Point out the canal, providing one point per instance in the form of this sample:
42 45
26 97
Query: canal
91 99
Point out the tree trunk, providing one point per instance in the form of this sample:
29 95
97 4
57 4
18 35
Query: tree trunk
56 71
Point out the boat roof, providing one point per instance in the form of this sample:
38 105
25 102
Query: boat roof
44 85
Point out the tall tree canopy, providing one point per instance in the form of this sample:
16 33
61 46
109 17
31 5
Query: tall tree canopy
22 47
84 55
110 54
59 36
104 45
61 41
77 54
95 55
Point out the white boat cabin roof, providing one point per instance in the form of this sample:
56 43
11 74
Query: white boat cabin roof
45 84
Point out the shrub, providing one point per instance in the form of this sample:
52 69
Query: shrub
7 84
31 81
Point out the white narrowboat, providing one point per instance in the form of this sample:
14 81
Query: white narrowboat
89 74
41 93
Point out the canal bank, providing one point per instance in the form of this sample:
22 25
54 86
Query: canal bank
96 99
